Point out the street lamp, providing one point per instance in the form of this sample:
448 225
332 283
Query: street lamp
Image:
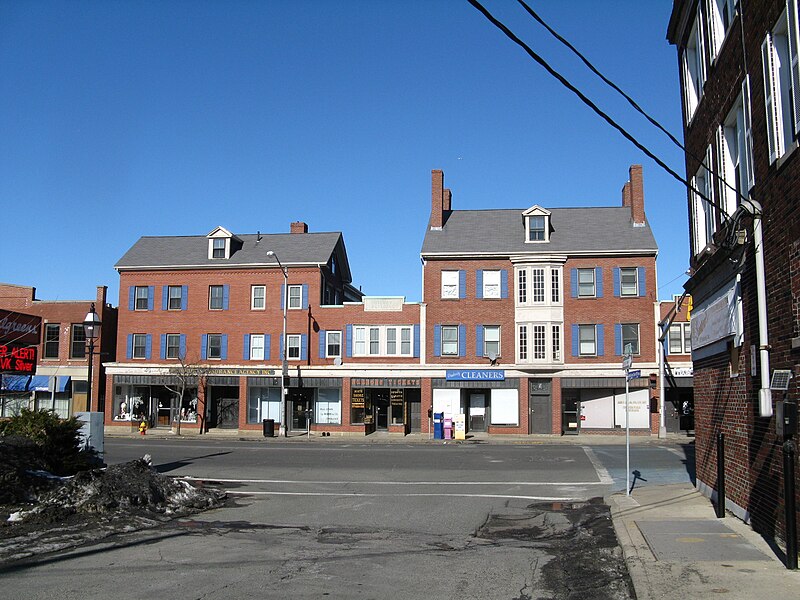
91 326
283 430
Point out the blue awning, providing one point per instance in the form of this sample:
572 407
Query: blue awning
39 383
16 383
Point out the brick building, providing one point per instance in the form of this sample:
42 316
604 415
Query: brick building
536 306
61 376
678 383
740 86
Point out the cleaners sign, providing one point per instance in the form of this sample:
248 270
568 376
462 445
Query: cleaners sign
475 375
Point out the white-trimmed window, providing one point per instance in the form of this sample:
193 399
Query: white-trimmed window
630 338
522 286
491 284
214 348
556 343
218 247
555 285
295 296
174 297
779 54
680 338
449 340
735 153
629 281
587 340
139 345
333 344
450 284
586 287
293 342
536 228
173 349
258 297
522 331
141 297
491 340
381 340
702 210
532 285
720 17
539 342
694 67
537 276
216 296
77 348
256 346
52 337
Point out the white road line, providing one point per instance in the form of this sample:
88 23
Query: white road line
346 494
602 472
301 481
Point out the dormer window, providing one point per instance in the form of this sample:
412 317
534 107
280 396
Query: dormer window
218 248
537 225
222 244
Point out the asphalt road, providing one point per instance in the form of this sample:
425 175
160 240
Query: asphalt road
342 520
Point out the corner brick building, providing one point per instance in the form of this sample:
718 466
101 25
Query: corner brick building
740 86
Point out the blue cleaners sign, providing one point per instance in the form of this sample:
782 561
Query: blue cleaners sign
476 375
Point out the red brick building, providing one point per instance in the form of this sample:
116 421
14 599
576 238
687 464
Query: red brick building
61 376
741 90
678 384
528 313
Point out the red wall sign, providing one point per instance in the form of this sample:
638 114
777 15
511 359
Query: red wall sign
17 359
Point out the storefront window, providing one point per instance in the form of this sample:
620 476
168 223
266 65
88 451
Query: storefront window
358 405
328 408
131 403
263 403
396 406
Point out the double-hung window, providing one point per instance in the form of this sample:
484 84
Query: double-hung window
491 340
450 284
374 341
141 297
555 285
256 346
694 67
779 53
536 228
491 284
139 345
629 281
522 286
174 297
173 343
214 348
258 297
218 248
702 209
295 296
293 346
586 286
78 345
537 276
630 338
449 340
333 344
675 338
52 333
735 153
216 297
587 339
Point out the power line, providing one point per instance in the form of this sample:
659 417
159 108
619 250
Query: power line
561 79
630 100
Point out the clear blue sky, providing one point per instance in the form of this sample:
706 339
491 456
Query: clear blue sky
123 119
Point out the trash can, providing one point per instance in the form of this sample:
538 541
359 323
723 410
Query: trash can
438 426
269 427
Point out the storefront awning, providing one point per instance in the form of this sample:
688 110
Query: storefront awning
33 383
16 383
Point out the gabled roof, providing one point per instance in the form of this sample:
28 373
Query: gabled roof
605 230
186 252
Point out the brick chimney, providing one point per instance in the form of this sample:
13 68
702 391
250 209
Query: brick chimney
447 200
298 227
437 192
633 195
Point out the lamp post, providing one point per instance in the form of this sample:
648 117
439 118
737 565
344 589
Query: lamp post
284 429
91 326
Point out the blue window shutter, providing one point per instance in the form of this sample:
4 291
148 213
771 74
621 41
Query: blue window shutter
616 282
462 340
348 340
462 284
304 347
479 340
267 344
573 277
163 345
322 339
479 284
642 282
246 347
598 281
182 348
224 350
151 295
600 341
226 294
131 291
280 349
304 301
129 351
148 346
416 341
164 296
575 339
437 340
204 348
184 297
618 339
504 283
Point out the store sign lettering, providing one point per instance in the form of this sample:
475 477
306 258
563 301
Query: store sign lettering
475 375
17 359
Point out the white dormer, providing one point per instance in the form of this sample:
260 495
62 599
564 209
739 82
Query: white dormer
537 224
219 243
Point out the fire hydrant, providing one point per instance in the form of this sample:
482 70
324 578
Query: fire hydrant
142 427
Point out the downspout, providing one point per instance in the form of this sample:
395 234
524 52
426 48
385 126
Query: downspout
764 393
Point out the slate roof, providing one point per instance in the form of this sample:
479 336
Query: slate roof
573 230
151 252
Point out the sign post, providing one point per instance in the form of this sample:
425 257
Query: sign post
627 362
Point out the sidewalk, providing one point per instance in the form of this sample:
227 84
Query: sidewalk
676 547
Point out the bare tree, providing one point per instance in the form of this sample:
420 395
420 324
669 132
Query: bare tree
186 376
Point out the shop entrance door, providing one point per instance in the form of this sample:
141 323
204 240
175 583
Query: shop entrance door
301 409
380 409
414 411
477 411
540 409
223 410
570 412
